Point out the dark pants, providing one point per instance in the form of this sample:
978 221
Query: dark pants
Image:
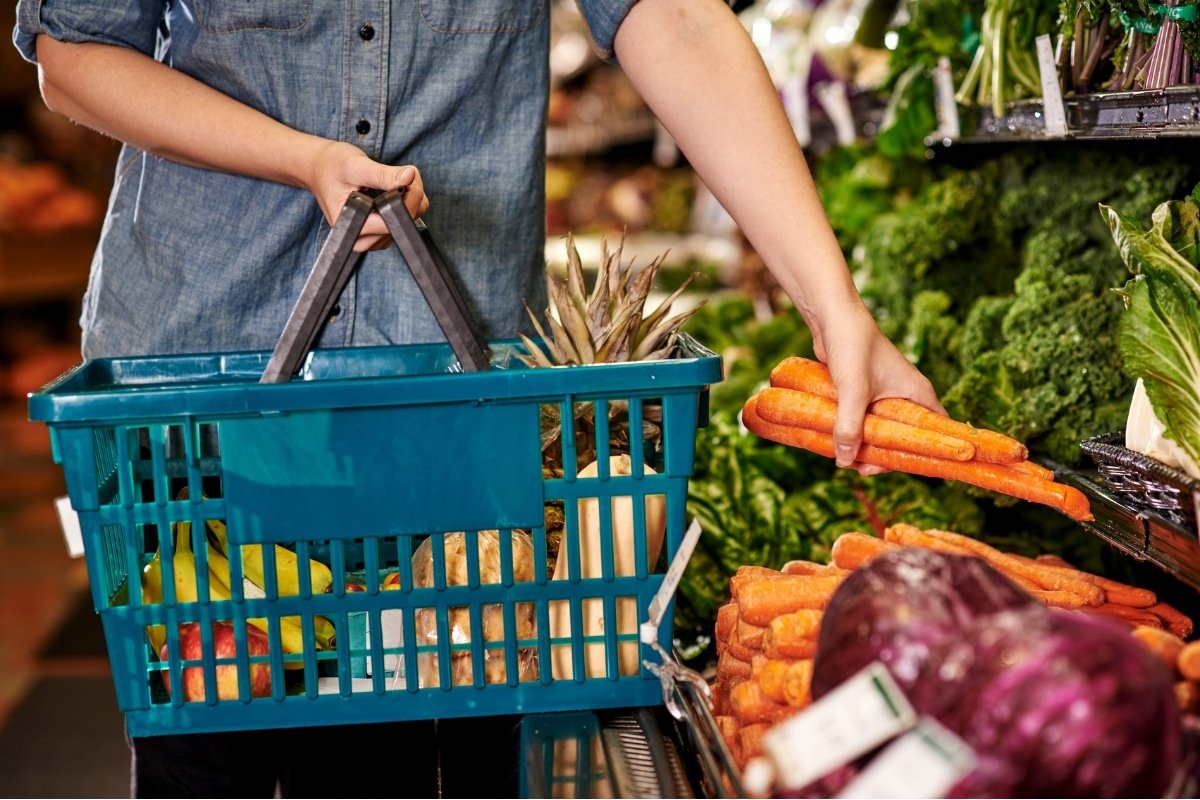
449 758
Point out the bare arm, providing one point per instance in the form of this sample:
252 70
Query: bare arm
699 72
126 95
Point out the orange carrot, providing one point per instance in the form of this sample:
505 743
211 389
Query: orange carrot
1188 663
1114 591
1176 621
727 726
720 697
748 572
750 738
732 668
1187 695
750 704
763 600
1133 617
797 686
793 635
1058 598
1036 470
804 410
1163 644
852 550
994 477
811 376
772 675
736 649
801 567
726 621
749 635
1050 578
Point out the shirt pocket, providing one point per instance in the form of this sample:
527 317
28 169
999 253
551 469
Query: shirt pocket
481 16
230 16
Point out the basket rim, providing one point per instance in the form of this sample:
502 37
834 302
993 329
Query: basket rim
226 384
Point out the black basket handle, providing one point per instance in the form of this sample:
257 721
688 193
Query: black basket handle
337 260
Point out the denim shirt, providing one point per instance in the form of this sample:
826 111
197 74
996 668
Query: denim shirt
194 260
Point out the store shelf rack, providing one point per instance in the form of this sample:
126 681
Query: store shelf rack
1148 114
1141 534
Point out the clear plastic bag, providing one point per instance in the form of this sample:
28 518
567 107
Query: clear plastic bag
489 544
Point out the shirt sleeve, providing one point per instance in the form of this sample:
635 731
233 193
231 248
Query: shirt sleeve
603 17
128 23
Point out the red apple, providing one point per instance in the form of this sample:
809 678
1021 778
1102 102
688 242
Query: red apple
354 586
224 646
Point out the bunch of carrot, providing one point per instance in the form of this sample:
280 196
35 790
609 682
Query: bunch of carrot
766 637
1047 578
799 407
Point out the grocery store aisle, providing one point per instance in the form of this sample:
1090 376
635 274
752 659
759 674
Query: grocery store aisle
60 730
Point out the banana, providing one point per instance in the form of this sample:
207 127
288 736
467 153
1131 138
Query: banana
287 568
152 594
293 638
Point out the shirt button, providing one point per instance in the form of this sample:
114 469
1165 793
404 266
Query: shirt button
335 312
366 32
363 127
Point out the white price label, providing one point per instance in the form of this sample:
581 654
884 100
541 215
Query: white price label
1055 113
859 715
925 762
648 631
68 520
945 106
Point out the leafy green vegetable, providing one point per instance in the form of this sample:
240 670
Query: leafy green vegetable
909 117
1159 332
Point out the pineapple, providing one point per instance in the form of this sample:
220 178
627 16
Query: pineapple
606 325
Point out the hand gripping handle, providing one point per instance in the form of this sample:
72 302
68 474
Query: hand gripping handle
337 260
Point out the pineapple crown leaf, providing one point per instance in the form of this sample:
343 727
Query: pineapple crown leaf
570 320
537 357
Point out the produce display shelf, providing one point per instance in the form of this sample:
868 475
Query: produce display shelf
1141 534
1148 114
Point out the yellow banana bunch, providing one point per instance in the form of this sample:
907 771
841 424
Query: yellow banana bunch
287 567
323 629
152 594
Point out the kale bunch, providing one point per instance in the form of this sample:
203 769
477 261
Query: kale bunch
945 240
1052 376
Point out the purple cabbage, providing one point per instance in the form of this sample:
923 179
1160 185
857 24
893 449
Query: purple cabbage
1054 703
899 607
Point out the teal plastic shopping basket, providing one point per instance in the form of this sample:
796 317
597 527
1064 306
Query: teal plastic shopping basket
370 452
370 539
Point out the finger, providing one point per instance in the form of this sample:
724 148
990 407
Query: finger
374 235
848 423
414 192
867 470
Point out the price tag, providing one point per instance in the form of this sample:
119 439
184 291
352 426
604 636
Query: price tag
945 106
853 719
68 520
648 631
1055 113
925 762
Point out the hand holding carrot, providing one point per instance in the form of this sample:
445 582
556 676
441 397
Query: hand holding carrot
915 445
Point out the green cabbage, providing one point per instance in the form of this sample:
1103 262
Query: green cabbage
1159 331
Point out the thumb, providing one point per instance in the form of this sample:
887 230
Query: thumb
848 424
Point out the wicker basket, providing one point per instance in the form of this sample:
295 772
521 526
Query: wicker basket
1145 482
